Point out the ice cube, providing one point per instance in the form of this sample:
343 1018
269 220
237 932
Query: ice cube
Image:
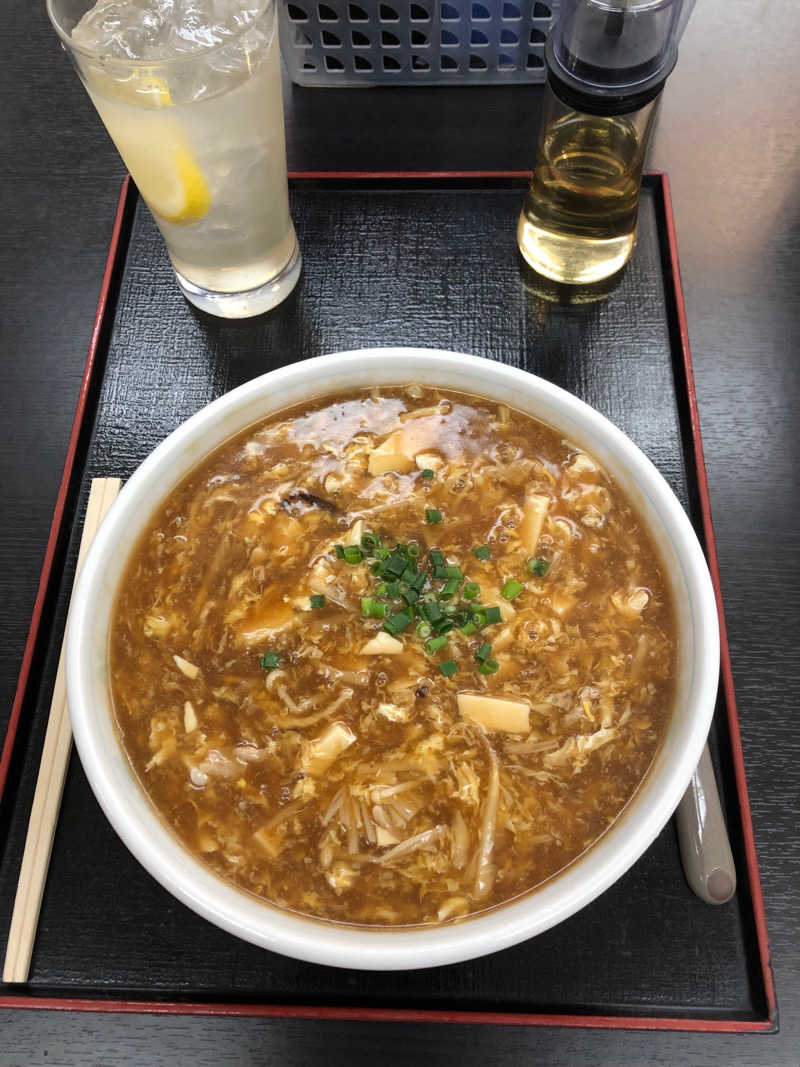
160 29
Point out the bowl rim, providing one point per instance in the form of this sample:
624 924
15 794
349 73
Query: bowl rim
135 819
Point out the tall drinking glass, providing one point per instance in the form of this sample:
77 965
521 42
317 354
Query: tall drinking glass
190 92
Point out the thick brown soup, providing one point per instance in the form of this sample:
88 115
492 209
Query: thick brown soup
393 656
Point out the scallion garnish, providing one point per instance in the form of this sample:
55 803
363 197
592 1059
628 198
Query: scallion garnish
492 615
433 515
511 589
413 551
471 590
373 608
437 558
451 571
450 588
489 666
427 473
482 552
483 651
435 644
369 542
448 668
339 549
394 565
317 601
539 566
468 628
398 622
269 661
432 611
424 629
353 554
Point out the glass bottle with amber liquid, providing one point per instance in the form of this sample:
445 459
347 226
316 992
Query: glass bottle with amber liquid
607 62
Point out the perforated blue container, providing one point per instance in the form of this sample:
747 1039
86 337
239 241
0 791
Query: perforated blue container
424 42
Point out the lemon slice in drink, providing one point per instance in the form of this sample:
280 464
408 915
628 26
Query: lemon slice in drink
170 181
157 152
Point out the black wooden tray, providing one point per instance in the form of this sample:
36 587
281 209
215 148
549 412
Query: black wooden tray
389 259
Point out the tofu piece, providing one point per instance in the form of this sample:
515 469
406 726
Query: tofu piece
431 461
534 513
189 717
320 753
382 644
389 456
495 713
185 667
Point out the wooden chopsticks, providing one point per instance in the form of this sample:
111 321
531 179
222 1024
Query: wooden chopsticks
50 783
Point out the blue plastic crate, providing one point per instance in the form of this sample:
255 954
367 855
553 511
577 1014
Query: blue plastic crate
424 42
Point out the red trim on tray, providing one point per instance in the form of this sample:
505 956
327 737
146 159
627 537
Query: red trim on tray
603 1022
61 499
725 654
406 174
391 1015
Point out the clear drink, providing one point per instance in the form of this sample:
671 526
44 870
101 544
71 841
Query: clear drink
190 92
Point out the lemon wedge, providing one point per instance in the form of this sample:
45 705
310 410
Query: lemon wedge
172 185
156 150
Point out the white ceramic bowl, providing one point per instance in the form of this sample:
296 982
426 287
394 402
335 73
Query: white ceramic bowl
136 821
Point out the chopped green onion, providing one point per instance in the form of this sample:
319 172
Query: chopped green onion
471 590
511 589
353 554
373 609
539 566
339 549
437 558
269 661
409 575
395 624
419 582
394 565
448 668
381 553
427 473
432 611
317 601
489 666
483 651
413 551
435 644
449 588
433 515
410 595
452 571
393 590
482 552
468 628
439 572
369 542
493 615
375 568
424 629
381 588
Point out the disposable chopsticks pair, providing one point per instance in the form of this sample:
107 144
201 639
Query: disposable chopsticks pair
50 782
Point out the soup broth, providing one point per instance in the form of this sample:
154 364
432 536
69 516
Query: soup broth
394 656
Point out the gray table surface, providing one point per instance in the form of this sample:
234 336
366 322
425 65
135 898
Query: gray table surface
728 136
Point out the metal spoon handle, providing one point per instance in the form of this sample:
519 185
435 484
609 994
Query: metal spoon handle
703 837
